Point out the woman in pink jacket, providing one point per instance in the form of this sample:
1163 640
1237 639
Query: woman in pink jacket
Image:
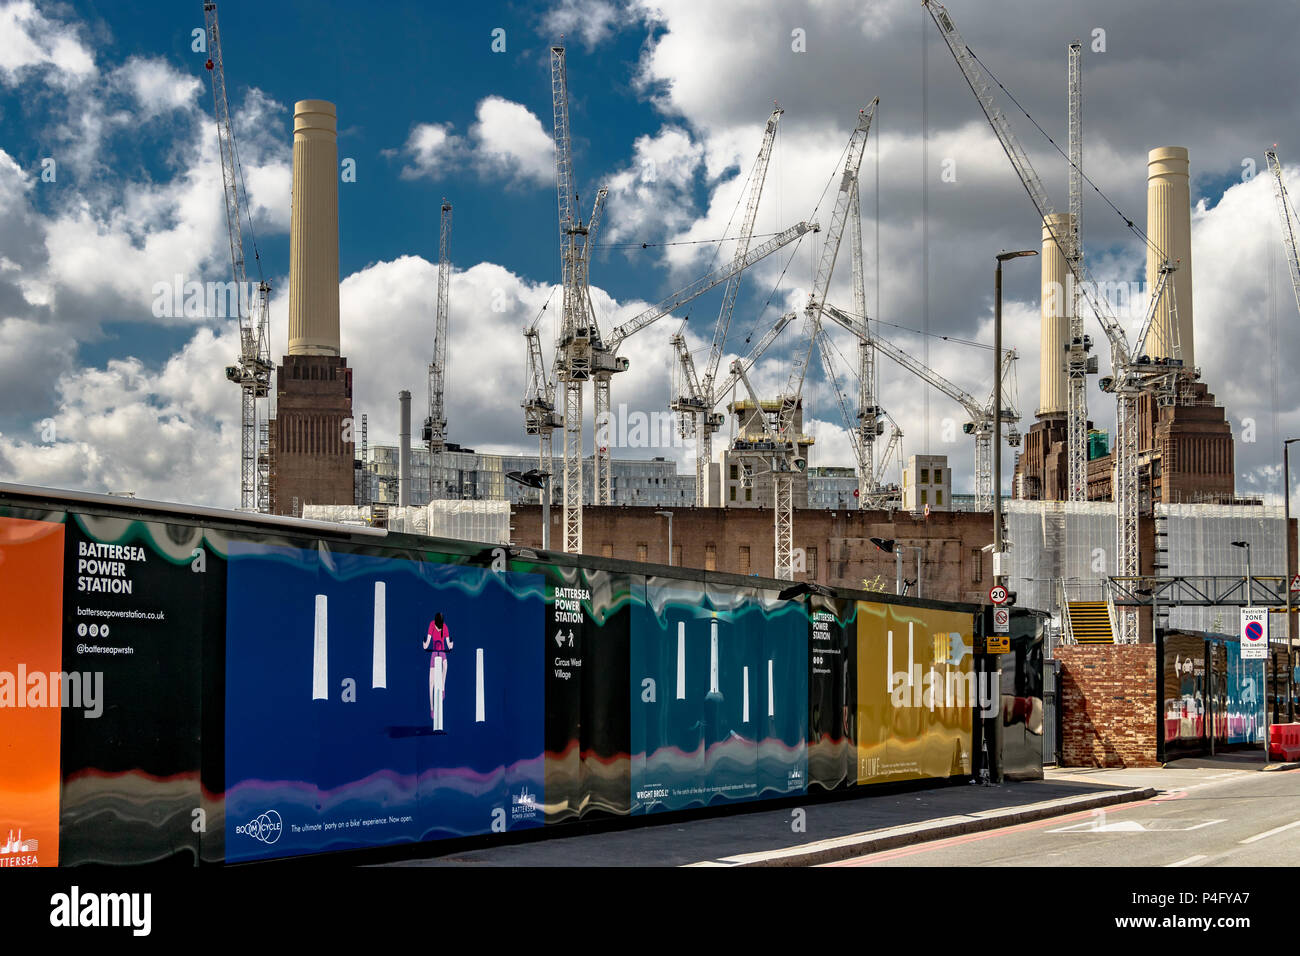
438 643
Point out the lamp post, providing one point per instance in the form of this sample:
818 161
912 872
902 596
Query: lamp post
1290 574
997 409
669 516
535 478
1268 651
891 546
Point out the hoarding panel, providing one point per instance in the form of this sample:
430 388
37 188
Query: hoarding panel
31 649
832 692
379 700
587 694
720 705
916 692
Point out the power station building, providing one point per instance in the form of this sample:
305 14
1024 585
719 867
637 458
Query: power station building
1185 447
311 454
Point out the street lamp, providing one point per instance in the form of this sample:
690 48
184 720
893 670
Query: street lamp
1290 574
890 546
997 409
1246 545
535 478
669 516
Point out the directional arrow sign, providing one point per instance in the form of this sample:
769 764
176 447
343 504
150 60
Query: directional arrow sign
559 638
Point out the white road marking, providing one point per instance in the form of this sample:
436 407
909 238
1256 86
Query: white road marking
1269 833
1189 861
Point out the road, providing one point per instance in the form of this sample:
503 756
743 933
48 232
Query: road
1207 818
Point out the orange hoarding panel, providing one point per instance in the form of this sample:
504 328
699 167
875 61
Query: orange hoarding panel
31 616
916 691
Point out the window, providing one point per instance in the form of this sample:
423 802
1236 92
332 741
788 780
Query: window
924 495
677 555
744 559
607 549
938 497
732 490
925 476
641 551
710 558
811 562
734 473
976 565
749 494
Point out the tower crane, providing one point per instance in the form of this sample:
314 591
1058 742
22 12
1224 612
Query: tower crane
980 424
1130 376
435 424
700 392
1078 363
1286 215
786 461
540 415
253 368
582 353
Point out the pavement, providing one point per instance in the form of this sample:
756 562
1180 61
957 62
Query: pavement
831 830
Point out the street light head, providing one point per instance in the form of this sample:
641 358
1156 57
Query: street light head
1240 544
884 544
1004 256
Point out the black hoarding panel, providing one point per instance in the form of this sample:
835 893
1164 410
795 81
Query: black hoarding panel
139 597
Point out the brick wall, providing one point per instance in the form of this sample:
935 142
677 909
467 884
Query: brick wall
837 543
1108 702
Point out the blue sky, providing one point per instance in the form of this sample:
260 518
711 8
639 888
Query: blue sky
114 94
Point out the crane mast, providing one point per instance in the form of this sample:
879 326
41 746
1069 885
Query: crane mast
1077 363
867 425
435 425
579 336
787 462
252 371
1285 217
705 424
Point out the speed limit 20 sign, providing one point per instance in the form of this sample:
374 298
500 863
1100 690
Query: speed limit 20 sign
998 594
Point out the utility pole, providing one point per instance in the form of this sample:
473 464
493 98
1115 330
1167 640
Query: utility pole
998 574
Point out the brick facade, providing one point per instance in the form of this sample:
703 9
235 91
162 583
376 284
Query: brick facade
836 543
311 464
1108 705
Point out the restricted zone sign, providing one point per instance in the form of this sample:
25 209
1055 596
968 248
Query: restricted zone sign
1254 633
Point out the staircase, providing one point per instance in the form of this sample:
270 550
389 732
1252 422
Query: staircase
1090 622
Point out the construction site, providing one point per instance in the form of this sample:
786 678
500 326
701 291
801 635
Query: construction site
1114 535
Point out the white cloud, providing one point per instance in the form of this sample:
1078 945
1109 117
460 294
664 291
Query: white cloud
433 150
593 20
157 86
652 198
505 141
29 41
509 140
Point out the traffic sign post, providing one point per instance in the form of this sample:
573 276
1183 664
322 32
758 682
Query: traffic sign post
1254 646
1254 633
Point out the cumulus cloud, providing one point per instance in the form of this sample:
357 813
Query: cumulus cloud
593 20
31 42
506 141
432 150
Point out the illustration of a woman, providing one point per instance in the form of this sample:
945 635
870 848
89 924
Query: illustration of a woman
438 643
